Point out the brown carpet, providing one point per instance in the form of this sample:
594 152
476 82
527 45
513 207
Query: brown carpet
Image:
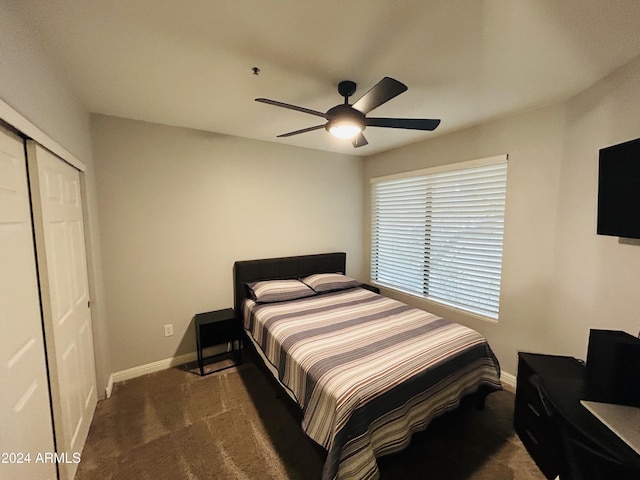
176 425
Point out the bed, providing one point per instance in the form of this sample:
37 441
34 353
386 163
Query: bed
365 371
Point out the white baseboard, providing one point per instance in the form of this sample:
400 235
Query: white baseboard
109 387
152 367
508 380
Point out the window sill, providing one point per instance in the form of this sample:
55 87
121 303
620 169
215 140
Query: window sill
437 308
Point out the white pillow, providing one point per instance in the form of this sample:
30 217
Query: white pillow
268 291
328 282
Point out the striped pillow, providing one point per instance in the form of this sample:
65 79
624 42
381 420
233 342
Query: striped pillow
327 282
268 291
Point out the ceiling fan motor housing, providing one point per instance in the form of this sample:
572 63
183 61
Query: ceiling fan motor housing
344 114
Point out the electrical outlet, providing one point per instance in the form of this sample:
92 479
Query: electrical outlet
168 330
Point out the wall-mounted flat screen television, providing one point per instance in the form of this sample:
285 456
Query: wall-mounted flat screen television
619 190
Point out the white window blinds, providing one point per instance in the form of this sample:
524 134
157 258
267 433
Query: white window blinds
438 234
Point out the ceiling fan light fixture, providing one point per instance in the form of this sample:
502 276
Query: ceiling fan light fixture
345 121
345 129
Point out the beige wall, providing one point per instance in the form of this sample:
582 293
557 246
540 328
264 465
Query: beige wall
178 207
31 84
559 277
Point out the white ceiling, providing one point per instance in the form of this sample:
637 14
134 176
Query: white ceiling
189 63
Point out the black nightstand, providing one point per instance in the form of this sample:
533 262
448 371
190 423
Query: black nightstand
215 328
371 288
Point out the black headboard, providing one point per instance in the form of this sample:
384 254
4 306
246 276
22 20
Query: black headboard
282 268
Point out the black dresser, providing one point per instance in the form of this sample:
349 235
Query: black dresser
560 434
533 423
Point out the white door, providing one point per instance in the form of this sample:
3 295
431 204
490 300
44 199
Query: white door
57 208
25 413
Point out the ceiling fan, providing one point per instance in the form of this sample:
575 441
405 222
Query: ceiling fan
348 121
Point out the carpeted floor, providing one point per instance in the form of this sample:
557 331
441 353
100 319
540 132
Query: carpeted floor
177 425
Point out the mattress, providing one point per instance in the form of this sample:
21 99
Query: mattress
368 371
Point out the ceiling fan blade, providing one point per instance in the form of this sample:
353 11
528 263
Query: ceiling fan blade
304 130
381 92
406 123
359 141
291 107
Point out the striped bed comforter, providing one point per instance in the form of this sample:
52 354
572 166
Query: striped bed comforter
368 371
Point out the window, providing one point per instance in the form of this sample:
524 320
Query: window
438 233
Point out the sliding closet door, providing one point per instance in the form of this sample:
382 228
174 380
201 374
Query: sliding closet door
25 414
57 207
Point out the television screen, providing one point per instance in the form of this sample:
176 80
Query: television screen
619 190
